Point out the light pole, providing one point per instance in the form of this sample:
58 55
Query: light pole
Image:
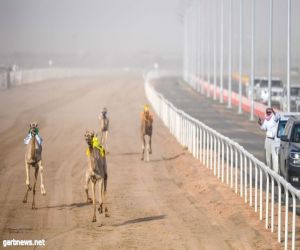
198 44
185 52
270 52
194 54
240 111
222 51
252 61
208 46
229 55
192 46
215 49
288 85
189 44
202 47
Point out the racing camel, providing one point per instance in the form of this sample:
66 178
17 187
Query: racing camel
146 131
33 158
96 172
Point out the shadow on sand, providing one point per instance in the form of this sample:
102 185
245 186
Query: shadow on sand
168 158
126 154
70 206
139 220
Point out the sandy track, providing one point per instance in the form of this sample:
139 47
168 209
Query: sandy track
170 203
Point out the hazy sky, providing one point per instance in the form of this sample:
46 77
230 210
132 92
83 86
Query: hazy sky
93 26
122 28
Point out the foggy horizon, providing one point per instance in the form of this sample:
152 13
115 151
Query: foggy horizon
111 30
128 32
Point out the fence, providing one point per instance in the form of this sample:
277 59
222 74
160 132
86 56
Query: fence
232 164
15 78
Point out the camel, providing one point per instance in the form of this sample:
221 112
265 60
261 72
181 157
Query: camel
146 131
33 158
96 172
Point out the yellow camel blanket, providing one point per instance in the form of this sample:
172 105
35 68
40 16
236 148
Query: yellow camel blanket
97 145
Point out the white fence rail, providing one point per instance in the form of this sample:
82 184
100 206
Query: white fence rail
35 75
250 178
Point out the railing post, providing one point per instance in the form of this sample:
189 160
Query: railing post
207 149
286 219
241 174
294 222
246 175
256 180
211 151
215 155
236 170
260 197
250 185
272 206
267 200
197 141
204 147
279 213
231 166
219 158
223 161
201 141
227 163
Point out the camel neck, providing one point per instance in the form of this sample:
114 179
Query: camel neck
32 147
91 158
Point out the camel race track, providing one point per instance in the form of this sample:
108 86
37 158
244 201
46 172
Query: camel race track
171 202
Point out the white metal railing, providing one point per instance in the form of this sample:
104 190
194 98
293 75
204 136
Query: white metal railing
232 164
36 75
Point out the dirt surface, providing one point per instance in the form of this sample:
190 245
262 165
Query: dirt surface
172 202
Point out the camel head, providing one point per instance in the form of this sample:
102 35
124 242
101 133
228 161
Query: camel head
89 137
33 128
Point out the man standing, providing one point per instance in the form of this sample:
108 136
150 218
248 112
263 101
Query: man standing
269 124
270 121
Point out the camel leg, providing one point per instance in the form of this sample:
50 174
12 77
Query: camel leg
147 140
27 167
101 192
105 188
43 191
143 147
150 144
26 195
94 201
105 176
36 172
86 187
104 201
